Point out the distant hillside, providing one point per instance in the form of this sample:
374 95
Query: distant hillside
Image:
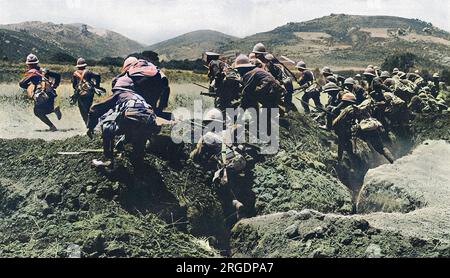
191 45
347 41
46 39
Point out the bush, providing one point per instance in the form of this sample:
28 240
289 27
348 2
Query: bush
445 76
62 58
402 61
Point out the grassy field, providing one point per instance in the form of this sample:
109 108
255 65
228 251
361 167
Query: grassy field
18 120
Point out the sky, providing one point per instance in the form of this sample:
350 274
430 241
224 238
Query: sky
151 21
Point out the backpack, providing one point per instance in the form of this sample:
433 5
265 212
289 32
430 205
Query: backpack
143 69
41 92
84 87
370 124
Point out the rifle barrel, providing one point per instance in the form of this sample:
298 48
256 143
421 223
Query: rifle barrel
201 86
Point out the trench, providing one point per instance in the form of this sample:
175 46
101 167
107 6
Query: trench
352 174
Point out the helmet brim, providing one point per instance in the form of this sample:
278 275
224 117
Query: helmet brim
32 63
81 66
244 66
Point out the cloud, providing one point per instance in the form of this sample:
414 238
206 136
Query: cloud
150 21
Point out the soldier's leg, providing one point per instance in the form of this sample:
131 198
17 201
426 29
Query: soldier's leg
305 101
329 117
42 115
290 91
84 104
374 139
108 135
316 98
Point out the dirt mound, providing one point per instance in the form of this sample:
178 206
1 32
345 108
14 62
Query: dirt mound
315 235
49 202
302 175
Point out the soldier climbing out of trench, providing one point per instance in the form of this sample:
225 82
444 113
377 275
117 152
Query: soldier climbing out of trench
84 83
216 150
125 114
148 81
354 123
225 85
41 85
307 84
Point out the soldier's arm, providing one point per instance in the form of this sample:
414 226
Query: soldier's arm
97 78
74 82
56 76
196 153
99 110
25 82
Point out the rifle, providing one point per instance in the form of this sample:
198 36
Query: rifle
208 95
314 107
287 69
80 152
201 86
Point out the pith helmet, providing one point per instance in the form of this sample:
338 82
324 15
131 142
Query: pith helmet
301 65
350 81
326 71
242 61
214 115
269 57
32 60
349 97
81 63
332 79
389 82
259 49
436 75
331 87
370 72
385 74
395 71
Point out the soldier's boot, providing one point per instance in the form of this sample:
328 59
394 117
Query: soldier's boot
388 155
58 113
239 207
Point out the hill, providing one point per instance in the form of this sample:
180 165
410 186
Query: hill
341 41
192 45
347 41
48 39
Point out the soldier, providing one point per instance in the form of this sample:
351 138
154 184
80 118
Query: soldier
216 151
127 114
395 71
343 124
259 86
310 88
41 85
149 81
435 86
376 92
283 76
385 75
260 52
351 124
84 83
334 103
397 113
352 86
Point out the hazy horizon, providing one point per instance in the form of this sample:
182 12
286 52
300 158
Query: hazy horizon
175 17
